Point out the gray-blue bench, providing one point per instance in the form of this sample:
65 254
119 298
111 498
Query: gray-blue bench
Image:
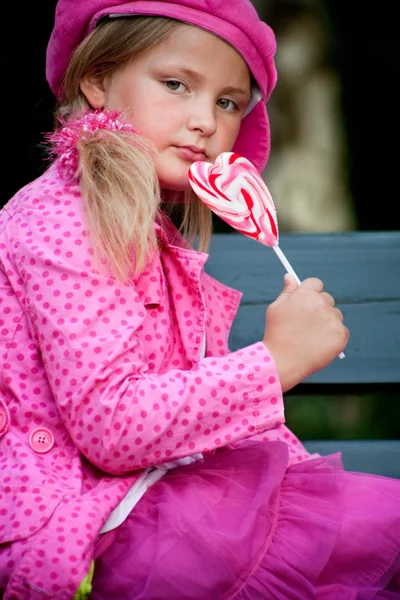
362 271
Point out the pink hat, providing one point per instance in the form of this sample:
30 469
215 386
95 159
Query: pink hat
235 21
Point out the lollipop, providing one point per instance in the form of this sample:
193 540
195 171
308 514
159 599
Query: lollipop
234 190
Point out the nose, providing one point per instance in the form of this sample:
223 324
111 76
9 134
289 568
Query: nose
202 118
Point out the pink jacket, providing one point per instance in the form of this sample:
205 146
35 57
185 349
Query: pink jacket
100 379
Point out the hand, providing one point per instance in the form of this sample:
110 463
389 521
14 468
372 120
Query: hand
304 331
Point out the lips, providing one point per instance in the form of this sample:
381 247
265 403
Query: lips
191 153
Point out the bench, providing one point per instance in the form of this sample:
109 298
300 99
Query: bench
362 271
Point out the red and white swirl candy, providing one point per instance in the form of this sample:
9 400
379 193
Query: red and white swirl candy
234 190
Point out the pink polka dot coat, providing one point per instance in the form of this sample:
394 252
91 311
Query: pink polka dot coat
100 379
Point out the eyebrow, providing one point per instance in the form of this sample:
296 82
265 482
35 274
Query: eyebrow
227 90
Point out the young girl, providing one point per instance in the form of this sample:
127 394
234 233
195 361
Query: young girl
140 457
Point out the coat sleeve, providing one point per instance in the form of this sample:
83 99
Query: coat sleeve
120 415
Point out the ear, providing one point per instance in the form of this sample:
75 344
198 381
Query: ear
93 90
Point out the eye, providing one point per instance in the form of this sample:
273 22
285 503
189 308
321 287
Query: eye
174 85
228 105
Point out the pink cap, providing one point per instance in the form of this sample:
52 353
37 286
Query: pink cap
235 21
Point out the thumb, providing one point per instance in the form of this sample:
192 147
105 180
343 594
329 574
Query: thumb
290 285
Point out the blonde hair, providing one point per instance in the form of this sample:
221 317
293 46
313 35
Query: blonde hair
119 184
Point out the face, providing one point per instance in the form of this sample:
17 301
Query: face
187 96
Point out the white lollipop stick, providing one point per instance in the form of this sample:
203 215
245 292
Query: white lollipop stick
286 263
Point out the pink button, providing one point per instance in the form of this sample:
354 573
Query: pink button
41 440
3 420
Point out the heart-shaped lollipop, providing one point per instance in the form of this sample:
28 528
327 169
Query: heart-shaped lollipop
234 190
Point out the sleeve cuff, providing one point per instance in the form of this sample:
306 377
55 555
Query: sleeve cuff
264 406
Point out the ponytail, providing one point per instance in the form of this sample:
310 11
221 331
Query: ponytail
121 196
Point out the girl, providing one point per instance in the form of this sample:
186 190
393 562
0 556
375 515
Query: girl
140 458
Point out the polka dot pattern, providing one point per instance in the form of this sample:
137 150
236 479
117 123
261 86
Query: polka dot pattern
113 371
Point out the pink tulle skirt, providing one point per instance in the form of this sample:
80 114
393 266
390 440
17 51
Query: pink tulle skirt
242 524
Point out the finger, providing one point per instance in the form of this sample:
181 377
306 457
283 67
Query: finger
313 283
328 298
290 284
339 314
347 335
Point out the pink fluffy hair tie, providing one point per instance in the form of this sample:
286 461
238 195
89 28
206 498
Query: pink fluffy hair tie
63 141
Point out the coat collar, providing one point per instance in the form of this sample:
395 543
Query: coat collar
150 283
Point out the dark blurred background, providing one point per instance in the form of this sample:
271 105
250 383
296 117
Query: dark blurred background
335 133
358 46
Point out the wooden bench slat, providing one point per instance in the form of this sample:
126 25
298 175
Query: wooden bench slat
381 457
372 354
350 264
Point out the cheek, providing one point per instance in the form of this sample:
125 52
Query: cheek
121 95
114 100
152 126
153 119
231 136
